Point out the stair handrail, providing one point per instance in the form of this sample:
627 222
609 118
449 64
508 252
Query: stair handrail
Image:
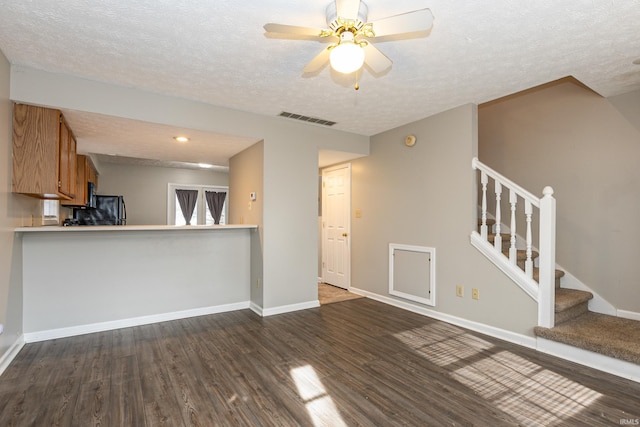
544 294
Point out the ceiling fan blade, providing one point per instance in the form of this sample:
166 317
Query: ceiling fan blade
347 9
292 29
418 20
375 59
318 62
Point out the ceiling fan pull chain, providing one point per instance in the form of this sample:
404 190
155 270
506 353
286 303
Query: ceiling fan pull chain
357 86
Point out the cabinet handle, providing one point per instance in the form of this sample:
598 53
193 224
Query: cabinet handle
59 184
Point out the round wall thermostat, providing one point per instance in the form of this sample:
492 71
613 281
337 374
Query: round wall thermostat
410 141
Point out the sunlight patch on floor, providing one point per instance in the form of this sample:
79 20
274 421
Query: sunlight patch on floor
321 408
523 389
443 344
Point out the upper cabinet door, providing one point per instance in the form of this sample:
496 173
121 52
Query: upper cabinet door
44 153
67 162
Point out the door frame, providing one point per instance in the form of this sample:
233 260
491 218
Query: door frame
347 221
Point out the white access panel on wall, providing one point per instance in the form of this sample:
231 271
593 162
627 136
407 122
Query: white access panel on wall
412 273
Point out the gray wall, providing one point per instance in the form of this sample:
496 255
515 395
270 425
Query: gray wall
425 196
145 188
246 171
629 105
290 241
572 139
15 211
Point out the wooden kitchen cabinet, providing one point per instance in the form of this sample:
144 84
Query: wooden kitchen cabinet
86 172
44 153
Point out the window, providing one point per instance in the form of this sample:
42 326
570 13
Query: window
201 213
50 212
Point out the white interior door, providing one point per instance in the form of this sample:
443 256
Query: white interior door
336 225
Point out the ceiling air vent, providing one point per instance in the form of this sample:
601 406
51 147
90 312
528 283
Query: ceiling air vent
307 119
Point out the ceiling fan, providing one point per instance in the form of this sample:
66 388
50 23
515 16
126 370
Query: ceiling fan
347 22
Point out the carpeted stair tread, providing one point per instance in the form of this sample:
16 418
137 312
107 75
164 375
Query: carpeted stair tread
608 335
505 237
567 298
536 274
522 254
490 222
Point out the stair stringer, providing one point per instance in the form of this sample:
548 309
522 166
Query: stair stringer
597 304
528 285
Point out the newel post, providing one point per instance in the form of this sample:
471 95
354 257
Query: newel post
547 260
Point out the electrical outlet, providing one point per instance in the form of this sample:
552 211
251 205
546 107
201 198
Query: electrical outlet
459 291
257 283
475 293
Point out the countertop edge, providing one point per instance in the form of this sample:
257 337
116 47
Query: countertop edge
49 229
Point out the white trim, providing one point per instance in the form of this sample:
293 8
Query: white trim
11 353
506 182
492 331
499 260
597 304
432 273
289 308
30 337
588 358
628 314
255 308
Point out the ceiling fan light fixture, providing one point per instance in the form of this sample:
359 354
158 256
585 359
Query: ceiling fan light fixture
347 56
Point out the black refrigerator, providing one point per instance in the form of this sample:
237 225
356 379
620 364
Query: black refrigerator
109 210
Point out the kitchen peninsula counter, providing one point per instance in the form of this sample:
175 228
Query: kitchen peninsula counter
82 279
134 228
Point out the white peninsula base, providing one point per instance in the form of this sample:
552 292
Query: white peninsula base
80 280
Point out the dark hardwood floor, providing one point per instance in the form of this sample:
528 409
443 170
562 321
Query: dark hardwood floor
357 362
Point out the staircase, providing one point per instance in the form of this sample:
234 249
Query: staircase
572 323
569 303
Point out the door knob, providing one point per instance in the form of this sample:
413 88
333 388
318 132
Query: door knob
344 234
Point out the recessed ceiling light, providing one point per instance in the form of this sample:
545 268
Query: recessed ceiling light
637 61
181 138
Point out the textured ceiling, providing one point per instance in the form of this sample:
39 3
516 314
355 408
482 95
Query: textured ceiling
217 52
126 139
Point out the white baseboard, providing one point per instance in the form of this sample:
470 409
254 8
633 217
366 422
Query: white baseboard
503 334
628 314
11 353
289 308
30 337
588 358
256 309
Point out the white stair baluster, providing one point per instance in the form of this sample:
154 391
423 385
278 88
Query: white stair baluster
513 251
483 227
528 264
497 242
